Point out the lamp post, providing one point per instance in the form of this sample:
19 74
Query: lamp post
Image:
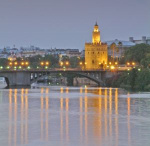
64 64
45 64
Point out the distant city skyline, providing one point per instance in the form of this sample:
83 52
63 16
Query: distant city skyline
68 23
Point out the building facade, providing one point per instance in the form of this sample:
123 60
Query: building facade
121 45
144 40
96 53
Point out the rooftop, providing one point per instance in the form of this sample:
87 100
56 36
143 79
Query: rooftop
124 43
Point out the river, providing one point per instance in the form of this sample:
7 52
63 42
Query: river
74 116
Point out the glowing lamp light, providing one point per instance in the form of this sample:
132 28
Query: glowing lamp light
110 63
16 63
80 63
112 67
67 63
42 63
10 63
22 63
61 63
47 63
46 67
29 67
133 63
128 63
85 63
27 63
116 63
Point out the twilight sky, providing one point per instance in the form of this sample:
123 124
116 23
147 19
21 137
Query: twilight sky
69 23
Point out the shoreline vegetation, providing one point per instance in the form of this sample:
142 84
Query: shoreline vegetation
138 78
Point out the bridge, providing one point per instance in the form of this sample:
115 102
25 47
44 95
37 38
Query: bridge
27 77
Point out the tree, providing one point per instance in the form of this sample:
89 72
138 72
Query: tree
137 53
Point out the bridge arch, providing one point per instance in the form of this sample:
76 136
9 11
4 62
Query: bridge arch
86 75
6 79
92 78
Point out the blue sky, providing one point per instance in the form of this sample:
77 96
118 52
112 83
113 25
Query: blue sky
69 23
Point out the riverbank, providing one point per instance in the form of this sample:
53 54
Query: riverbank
134 80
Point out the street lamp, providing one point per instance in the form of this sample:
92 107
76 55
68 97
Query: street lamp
128 63
133 63
67 63
80 63
22 63
15 63
47 63
26 63
61 63
42 63
10 63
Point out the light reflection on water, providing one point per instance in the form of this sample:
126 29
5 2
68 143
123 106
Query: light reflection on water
68 116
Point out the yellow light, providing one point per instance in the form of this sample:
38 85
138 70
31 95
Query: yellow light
116 63
27 63
16 63
133 63
42 63
112 67
85 63
80 63
67 63
128 63
61 63
110 63
10 63
47 63
22 63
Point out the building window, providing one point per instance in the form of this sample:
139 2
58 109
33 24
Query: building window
98 52
93 52
92 61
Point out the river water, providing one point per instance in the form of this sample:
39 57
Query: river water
67 116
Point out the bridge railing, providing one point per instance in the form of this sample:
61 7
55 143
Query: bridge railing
67 69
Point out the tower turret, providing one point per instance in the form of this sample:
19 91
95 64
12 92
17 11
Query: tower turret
96 39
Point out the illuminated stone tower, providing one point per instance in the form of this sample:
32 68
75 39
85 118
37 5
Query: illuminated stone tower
96 54
96 39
